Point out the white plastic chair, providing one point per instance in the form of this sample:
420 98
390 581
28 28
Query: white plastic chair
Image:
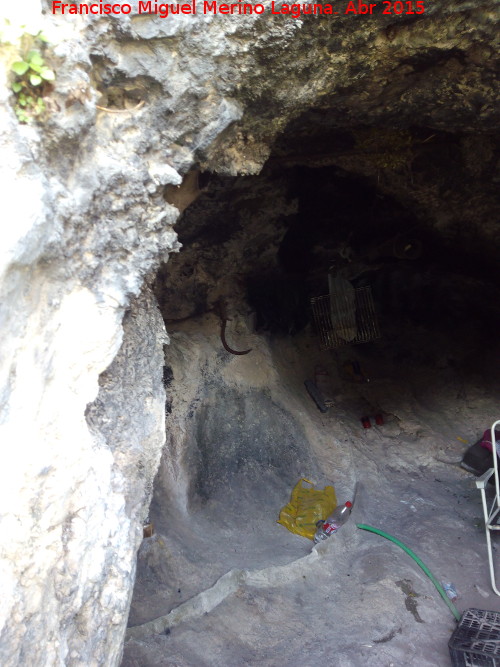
491 512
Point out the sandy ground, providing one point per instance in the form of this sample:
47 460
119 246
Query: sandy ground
357 599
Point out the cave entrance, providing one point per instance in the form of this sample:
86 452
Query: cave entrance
242 428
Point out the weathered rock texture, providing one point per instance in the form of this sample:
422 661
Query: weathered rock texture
85 221
70 564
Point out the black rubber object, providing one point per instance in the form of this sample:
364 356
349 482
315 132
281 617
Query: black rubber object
316 395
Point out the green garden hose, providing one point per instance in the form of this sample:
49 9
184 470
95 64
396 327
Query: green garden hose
417 560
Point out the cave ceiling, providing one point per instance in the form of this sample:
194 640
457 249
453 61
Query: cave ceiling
323 135
351 133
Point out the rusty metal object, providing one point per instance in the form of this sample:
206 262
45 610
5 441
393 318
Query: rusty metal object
224 342
221 307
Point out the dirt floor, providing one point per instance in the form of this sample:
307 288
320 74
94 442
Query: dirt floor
236 588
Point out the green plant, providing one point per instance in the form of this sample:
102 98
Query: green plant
33 79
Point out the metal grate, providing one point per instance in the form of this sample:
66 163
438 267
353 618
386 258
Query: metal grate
366 320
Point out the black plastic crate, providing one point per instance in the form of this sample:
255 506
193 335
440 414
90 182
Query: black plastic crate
476 639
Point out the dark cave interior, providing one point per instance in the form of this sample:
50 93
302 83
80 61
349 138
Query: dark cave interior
409 213
382 208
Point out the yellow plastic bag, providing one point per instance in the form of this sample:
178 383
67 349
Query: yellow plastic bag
306 507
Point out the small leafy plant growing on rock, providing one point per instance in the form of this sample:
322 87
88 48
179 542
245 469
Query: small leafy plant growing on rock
32 82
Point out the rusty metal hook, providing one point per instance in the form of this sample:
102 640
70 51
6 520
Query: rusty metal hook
221 307
224 342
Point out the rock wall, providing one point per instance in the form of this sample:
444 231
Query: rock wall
136 101
229 416
77 496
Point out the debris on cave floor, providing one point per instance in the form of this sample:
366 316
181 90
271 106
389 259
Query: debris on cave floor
306 507
354 600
